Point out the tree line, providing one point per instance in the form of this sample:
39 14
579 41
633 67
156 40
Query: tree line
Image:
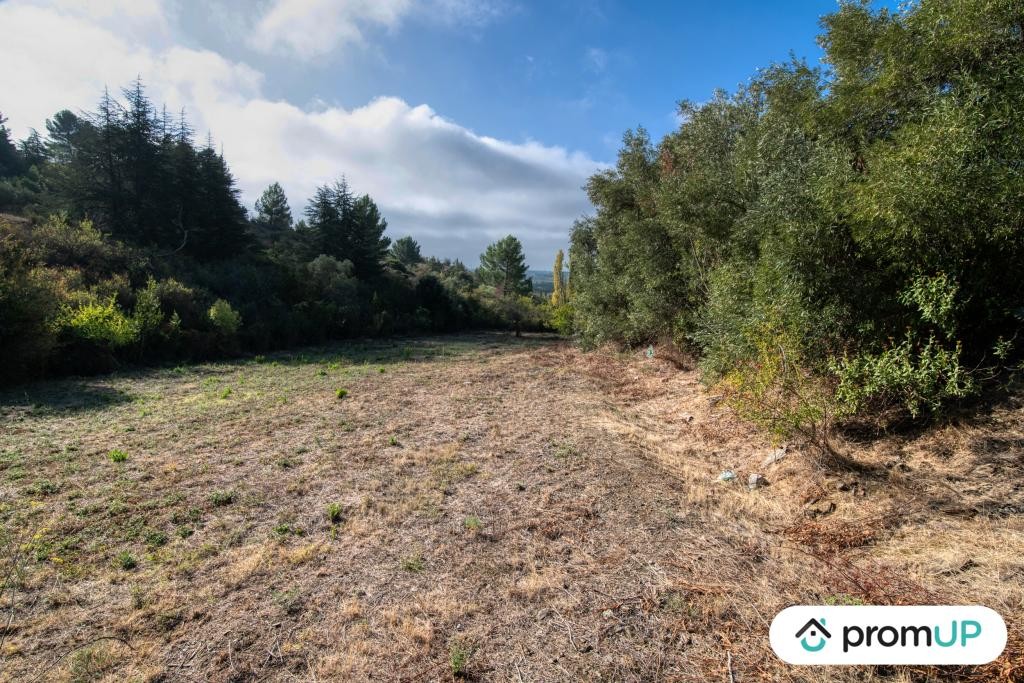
830 240
124 240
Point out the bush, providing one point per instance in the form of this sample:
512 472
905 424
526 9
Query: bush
915 376
101 323
224 318
561 319
29 306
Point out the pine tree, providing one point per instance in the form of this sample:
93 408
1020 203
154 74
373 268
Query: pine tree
139 152
406 251
503 266
558 296
348 228
181 190
102 161
10 160
221 219
273 215
32 150
326 214
368 241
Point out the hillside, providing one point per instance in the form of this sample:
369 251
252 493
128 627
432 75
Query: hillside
507 509
543 281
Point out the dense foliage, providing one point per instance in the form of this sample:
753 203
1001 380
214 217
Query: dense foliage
830 239
123 240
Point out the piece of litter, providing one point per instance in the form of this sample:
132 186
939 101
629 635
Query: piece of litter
776 455
727 475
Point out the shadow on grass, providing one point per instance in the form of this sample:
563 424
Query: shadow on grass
402 349
83 394
62 396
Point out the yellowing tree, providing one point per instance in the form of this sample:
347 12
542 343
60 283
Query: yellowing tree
558 296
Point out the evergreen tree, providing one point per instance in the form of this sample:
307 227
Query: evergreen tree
10 160
328 216
368 241
139 156
273 215
503 266
348 228
182 180
32 149
220 217
64 133
406 251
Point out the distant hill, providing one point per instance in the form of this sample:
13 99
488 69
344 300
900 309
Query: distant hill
543 280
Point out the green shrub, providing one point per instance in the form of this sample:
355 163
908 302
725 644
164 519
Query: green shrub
775 388
117 455
341 393
914 376
224 318
560 319
102 323
147 316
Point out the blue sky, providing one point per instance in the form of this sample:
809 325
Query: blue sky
466 120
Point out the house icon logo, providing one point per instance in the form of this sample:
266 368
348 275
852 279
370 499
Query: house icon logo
815 630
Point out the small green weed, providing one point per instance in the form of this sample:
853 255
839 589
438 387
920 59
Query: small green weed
334 513
222 498
43 487
155 539
126 561
414 563
341 393
117 455
458 658
472 523
843 599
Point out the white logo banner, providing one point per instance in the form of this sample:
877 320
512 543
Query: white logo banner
861 634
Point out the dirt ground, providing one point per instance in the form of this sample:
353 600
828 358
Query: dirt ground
478 507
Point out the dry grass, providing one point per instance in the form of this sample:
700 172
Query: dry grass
601 547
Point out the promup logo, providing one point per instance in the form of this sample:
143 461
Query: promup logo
817 629
888 635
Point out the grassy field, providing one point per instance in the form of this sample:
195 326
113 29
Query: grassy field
481 507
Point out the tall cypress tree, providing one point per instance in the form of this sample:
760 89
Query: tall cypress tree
558 296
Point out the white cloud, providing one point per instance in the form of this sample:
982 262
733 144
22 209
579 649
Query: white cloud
310 28
453 189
